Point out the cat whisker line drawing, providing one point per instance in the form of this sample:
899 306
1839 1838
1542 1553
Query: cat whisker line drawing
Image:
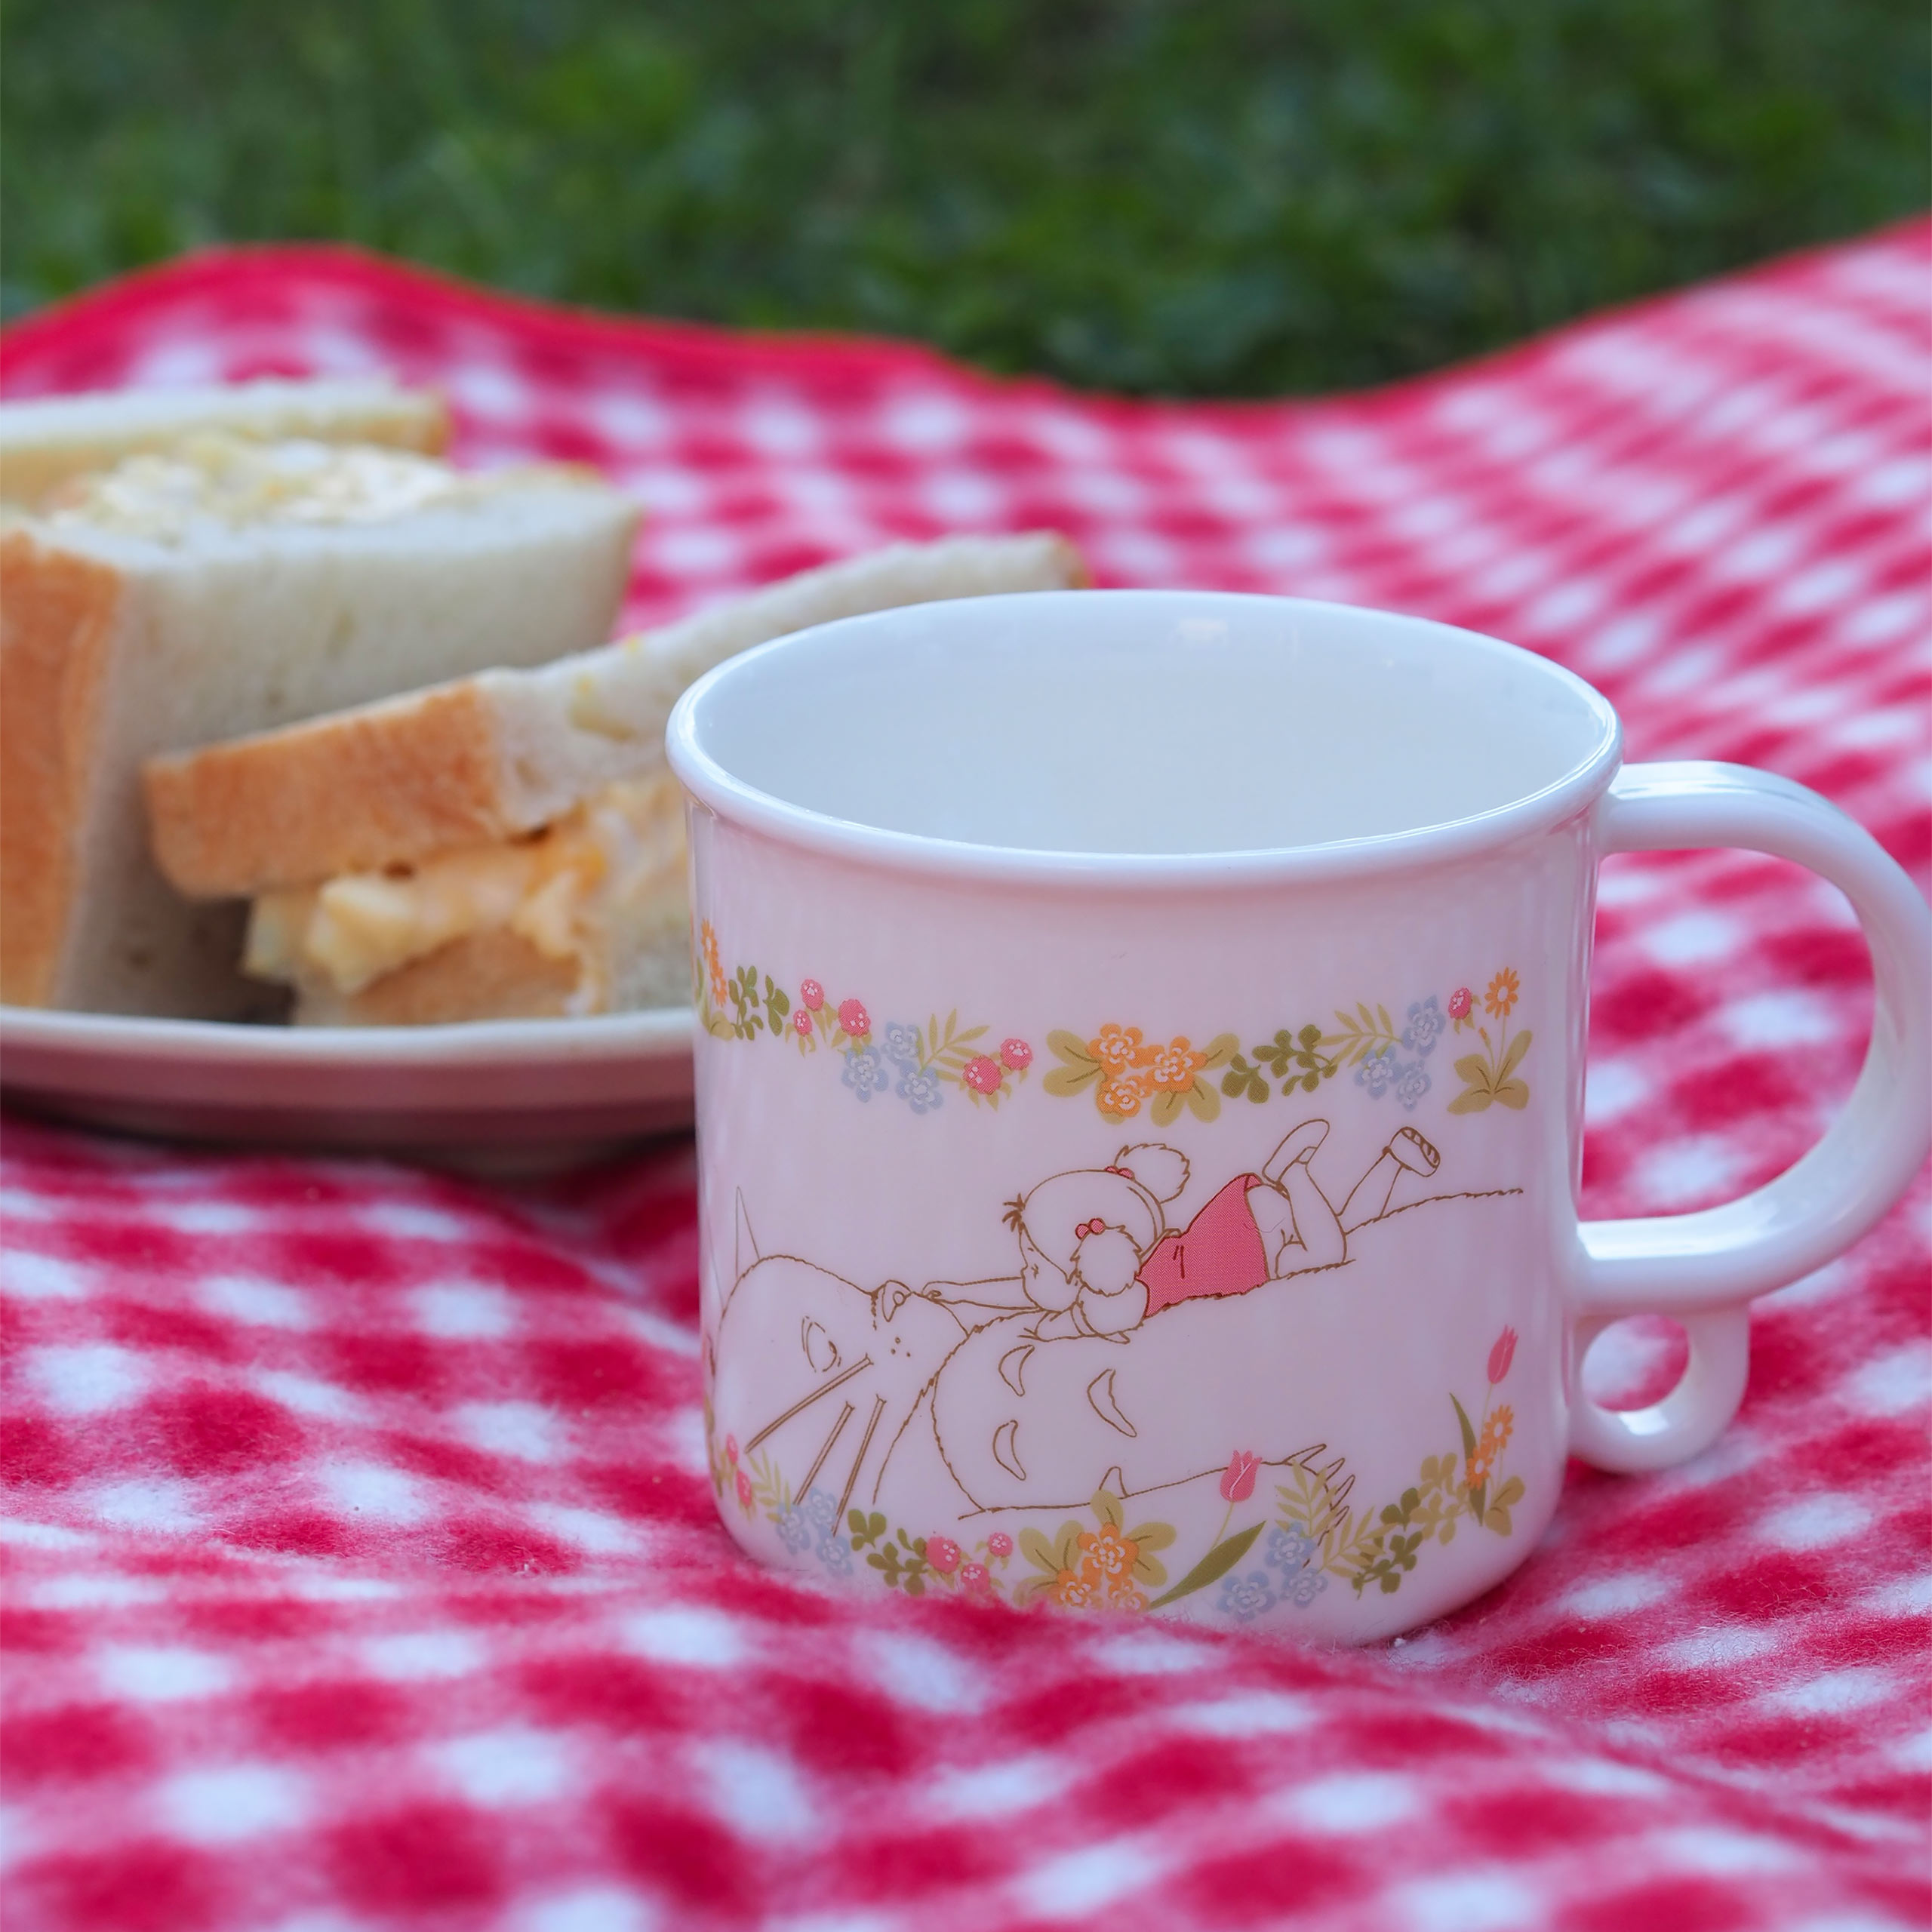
1100 1359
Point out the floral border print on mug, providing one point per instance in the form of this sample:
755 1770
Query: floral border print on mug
1185 1229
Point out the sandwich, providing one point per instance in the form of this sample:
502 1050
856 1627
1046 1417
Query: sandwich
226 584
48 441
510 844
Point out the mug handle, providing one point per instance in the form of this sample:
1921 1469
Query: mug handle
1702 1268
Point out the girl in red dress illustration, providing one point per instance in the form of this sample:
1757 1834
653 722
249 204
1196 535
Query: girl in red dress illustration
1096 1256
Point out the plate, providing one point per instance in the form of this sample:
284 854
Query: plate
497 1096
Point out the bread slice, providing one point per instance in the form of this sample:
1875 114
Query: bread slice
223 588
513 845
46 440
493 974
587 915
504 752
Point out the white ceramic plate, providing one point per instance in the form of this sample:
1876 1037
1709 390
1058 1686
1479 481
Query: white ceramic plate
503 1095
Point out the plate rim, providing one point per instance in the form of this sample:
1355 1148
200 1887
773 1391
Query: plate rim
650 1032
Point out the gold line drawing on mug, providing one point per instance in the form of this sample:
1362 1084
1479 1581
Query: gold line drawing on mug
1097 1258
1080 1375
1317 1533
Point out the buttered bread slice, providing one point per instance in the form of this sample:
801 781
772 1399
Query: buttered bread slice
223 586
510 843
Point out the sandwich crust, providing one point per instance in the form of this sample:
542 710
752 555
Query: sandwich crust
494 974
58 613
359 790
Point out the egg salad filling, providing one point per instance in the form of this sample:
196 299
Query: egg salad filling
559 889
232 481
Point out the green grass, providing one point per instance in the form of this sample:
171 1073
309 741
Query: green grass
1225 197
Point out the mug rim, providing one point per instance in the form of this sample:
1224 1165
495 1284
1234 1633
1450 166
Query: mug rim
708 782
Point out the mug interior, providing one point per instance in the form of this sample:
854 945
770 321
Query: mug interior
1144 722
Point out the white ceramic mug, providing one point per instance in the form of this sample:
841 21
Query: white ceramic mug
1140 1095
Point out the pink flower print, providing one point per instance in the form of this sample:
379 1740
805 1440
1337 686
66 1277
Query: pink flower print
731 1448
812 994
744 1489
801 1021
942 1553
1237 1478
999 1544
853 1017
1460 1002
1016 1056
1503 1355
982 1074
973 1577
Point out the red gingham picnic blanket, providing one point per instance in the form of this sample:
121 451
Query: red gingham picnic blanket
364 1567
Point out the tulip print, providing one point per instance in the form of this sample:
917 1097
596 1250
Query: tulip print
1237 1478
1502 1356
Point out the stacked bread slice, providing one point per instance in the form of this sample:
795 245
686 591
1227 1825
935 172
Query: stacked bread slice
510 843
226 583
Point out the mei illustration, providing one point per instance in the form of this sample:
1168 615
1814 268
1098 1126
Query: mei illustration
1121 1350
1097 1256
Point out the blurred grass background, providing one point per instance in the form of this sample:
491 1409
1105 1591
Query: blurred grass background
1231 196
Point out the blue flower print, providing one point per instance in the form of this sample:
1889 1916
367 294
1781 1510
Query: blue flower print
1383 1073
1411 1083
1425 1027
1306 1589
1289 1550
921 1091
901 1043
1247 1597
818 1516
866 1072
794 1532
1377 1073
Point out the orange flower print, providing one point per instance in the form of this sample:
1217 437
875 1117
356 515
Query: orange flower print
1497 1427
1107 1556
1119 1048
1172 1067
1123 1093
709 940
1075 1590
1122 1595
1499 1001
